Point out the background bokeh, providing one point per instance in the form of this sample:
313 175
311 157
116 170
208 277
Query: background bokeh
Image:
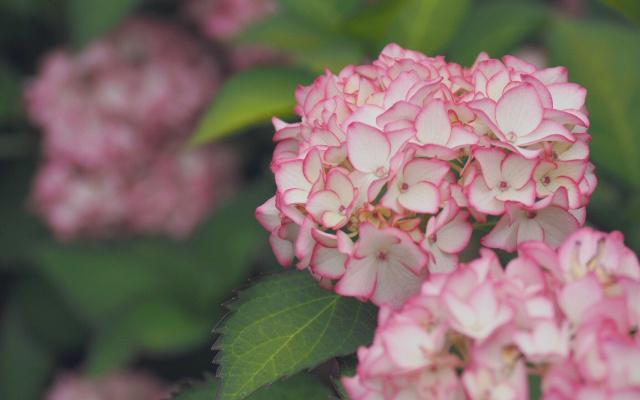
95 299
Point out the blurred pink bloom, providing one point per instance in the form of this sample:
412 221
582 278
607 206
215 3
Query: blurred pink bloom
118 386
223 19
114 119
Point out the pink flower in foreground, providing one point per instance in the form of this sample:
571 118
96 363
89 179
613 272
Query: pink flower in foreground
411 148
119 386
114 119
477 332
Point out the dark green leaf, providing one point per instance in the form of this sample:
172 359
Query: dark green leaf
284 324
326 13
629 8
249 98
102 280
514 22
605 59
299 387
424 25
25 364
10 94
91 18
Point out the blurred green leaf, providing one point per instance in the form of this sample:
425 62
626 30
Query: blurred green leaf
514 23
25 364
10 94
327 13
347 369
284 324
103 280
423 25
301 386
307 45
249 98
629 8
91 18
605 59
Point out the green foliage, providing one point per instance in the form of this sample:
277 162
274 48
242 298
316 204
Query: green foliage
156 295
284 324
301 386
248 98
496 28
24 362
424 25
91 18
328 13
629 8
10 93
605 59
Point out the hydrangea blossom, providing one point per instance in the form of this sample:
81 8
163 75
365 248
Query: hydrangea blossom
114 119
569 315
391 163
117 386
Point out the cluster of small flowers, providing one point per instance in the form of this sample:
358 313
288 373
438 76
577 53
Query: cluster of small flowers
570 316
114 119
118 386
377 183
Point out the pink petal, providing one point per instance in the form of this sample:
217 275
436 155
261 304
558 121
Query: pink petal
283 250
433 125
490 161
422 197
423 170
454 236
368 148
567 96
395 284
359 278
328 262
483 199
519 111
517 170
502 236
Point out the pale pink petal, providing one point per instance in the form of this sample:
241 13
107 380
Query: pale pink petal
368 148
359 278
490 161
328 262
567 96
519 111
517 170
483 199
433 125
422 197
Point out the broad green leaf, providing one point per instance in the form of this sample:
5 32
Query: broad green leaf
514 23
10 94
249 98
25 364
629 8
605 59
284 324
424 25
90 18
299 387
103 280
326 13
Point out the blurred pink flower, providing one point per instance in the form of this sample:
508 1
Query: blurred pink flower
118 386
114 120
223 19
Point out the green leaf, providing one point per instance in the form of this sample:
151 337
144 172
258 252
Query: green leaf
90 18
326 13
101 281
423 25
612 79
301 386
629 8
249 98
284 324
10 94
25 364
516 22
307 45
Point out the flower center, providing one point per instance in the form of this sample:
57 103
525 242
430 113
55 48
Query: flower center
381 172
404 187
546 180
382 255
503 185
341 209
531 214
433 238
511 137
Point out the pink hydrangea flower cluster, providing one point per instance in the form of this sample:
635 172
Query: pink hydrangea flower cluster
569 315
378 182
118 386
223 19
114 119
